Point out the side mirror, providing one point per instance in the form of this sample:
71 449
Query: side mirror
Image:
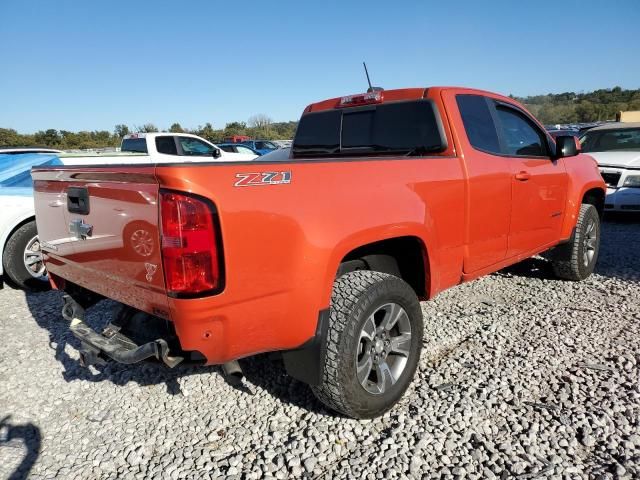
567 146
216 153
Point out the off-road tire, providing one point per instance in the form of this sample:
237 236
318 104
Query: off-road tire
355 296
13 261
567 260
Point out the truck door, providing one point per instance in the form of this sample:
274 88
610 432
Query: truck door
538 183
488 202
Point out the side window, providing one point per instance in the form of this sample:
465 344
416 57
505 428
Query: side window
193 146
478 123
520 135
245 150
166 145
259 145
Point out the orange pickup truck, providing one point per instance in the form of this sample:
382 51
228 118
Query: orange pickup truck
386 198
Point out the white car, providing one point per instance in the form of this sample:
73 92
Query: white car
616 148
21 257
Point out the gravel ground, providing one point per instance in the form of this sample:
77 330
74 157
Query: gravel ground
522 376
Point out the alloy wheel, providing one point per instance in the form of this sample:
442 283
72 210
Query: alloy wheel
32 258
383 348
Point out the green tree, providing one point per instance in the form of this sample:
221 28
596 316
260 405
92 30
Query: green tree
176 128
121 130
147 128
206 132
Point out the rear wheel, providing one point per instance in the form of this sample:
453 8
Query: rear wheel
22 258
577 259
373 344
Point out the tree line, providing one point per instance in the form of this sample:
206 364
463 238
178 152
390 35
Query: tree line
258 126
568 107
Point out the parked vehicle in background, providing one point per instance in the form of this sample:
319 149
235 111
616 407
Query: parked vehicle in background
616 148
279 155
236 138
628 116
262 146
238 148
283 143
556 133
19 245
21 150
389 197
165 147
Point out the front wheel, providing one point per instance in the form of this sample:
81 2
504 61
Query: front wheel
373 344
577 259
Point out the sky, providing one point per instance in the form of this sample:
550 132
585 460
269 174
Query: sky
88 65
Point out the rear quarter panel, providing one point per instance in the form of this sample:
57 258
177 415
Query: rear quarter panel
283 243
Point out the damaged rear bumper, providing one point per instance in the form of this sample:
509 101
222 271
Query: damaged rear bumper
111 342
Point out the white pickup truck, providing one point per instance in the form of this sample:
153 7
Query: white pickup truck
158 147
21 257
616 148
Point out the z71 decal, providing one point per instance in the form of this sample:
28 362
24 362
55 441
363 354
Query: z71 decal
262 178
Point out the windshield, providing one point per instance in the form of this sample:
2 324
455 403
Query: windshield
399 127
610 140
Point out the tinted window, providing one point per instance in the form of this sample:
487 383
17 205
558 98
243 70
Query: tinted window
166 145
478 123
520 136
193 146
607 140
228 148
138 145
318 133
397 127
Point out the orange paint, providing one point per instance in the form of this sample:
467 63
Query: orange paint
283 243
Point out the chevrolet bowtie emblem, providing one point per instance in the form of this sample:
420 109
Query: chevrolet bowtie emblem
80 229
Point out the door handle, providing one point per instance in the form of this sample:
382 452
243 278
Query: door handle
523 176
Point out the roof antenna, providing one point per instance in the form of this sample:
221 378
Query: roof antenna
370 89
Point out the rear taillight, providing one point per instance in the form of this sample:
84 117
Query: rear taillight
190 250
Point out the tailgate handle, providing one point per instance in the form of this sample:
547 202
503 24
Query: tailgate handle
78 200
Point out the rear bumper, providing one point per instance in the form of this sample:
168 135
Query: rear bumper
624 199
111 343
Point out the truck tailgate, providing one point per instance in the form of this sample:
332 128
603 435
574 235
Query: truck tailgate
98 228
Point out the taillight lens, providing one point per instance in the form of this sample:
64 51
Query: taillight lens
360 99
189 246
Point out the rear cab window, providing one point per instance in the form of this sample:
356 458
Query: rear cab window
136 145
402 127
478 123
167 145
